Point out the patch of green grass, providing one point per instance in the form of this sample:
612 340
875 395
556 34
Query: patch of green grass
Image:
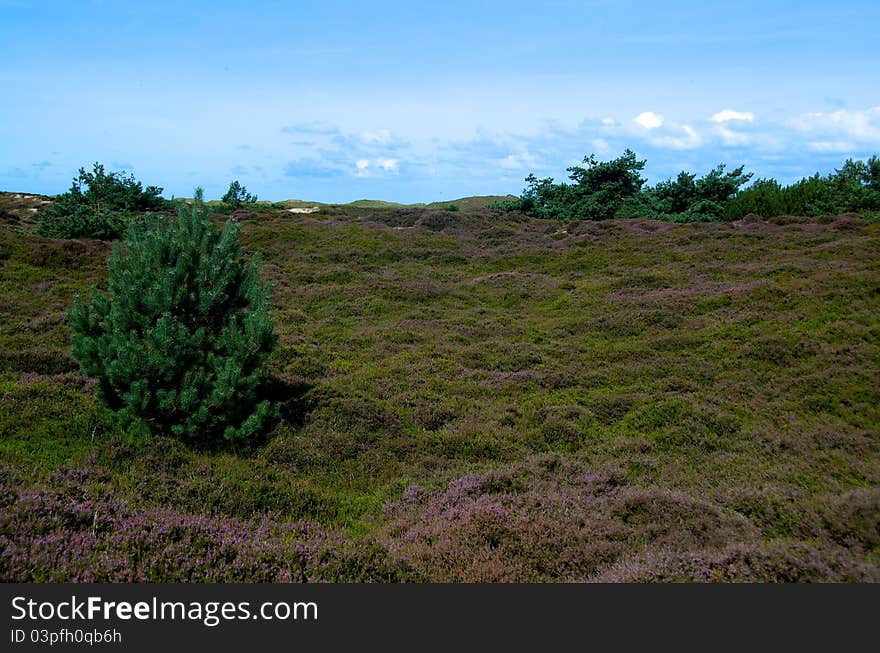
43 426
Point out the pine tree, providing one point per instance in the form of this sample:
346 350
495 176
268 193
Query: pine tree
236 195
98 205
178 342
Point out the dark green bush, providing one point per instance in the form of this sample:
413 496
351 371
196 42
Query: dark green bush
98 205
236 195
178 343
854 187
764 197
614 189
599 190
67 219
507 205
687 198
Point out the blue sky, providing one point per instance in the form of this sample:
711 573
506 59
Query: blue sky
409 101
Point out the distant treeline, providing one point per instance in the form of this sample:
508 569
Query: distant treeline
615 189
100 204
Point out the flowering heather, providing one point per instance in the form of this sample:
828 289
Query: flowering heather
526 400
72 380
552 519
779 562
72 529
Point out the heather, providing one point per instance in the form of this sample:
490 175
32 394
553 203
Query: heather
73 529
477 395
552 518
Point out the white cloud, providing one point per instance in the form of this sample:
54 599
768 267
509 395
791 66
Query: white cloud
517 161
860 125
601 145
726 115
690 140
670 142
730 137
373 167
831 146
649 120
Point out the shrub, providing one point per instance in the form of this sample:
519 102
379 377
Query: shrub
599 190
66 219
98 205
614 189
237 195
688 198
611 189
703 198
854 187
178 343
764 197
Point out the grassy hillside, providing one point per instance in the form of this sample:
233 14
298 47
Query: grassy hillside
475 203
26 206
470 396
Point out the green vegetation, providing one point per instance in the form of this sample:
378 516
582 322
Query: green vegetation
614 189
236 195
476 203
599 191
178 342
853 188
687 198
98 205
375 204
476 396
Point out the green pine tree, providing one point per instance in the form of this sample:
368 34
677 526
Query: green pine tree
178 342
236 195
98 205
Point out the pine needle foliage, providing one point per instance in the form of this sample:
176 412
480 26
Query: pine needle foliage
98 205
236 195
178 341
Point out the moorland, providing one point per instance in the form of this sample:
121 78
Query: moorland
474 394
